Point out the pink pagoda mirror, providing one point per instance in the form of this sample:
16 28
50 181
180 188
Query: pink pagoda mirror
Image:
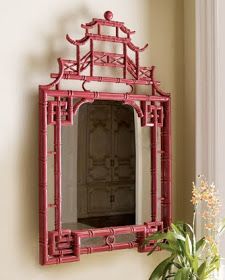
87 147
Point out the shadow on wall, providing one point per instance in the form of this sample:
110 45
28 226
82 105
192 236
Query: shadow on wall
36 70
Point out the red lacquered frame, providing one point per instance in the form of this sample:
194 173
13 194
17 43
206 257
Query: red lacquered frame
57 107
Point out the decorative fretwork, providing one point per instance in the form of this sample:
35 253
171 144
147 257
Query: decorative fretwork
66 111
153 114
67 246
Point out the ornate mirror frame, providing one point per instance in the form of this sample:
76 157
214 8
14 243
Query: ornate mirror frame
57 107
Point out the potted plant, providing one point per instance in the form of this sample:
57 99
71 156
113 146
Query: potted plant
189 258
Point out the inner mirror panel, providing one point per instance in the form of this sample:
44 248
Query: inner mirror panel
98 167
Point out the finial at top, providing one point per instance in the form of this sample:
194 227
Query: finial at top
108 15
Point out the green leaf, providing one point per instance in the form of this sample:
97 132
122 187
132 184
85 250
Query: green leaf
181 245
214 264
162 246
189 227
181 226
178 229
177 265
200 243
185 228
169 276
177 233
176 245
153 249
166 272
188 246
201 270
194 264
193 244
157 236
171 236
160 269
167 247
182 274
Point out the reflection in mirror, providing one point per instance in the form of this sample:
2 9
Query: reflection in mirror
101 241
98 167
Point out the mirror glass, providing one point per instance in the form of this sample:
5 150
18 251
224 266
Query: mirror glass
98 167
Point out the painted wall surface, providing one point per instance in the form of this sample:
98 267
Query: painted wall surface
189 105
32 37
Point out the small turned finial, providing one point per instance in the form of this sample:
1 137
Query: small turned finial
108 15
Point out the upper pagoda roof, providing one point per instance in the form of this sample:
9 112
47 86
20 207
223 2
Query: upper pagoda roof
108 15
108 22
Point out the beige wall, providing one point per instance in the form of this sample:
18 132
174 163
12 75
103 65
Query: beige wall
167 29
32 37
189 105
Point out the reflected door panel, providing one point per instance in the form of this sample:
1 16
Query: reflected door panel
106 143
99 200
123 143
98 143
123 198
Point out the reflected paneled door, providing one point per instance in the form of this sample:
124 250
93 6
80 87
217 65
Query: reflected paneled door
106 142
123 155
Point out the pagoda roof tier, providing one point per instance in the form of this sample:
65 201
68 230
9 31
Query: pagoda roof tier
90 63
96 34
97 21
105 38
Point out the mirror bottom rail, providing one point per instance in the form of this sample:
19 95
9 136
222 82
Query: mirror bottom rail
65 246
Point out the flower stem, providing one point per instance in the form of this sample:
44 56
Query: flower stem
193 221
